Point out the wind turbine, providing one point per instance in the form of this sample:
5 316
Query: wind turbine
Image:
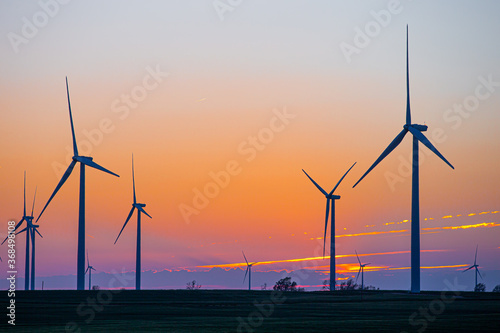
330 201
140 209
84 161
362 271
28 219
249 272
416 130
31 229
89 270
475 266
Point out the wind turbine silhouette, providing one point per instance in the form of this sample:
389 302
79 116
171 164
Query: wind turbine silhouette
140 209
28 219
89 270
475 266
330 200
32 229
249 272
416 130
362 271
84 161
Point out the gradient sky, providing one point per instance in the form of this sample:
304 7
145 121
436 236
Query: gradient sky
226 81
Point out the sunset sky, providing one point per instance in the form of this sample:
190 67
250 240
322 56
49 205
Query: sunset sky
251 94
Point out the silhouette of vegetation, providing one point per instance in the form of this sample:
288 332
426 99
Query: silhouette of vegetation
192 285
496 289
264 286
480 287
326 285
348 285
286 284
370 288
96 287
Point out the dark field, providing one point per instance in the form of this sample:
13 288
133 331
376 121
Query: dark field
252 311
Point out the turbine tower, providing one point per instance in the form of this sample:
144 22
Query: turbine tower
34 229
362 271
330 201
28 219
475 266
140 209
89 270
249 272
84 161
416 130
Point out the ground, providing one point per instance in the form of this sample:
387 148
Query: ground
252 311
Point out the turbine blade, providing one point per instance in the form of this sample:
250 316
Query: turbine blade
245 257
126 221
386 152
326 224
475 258
61 182
86 270
24 211
408 112
357 257
94 165
133 177
428 144
144 212
75 148
17 233
468 269
316 184
342 178
34 198
358 274
38 232
17 226
88 263
478 272
248 267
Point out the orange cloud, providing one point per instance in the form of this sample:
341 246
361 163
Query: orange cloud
243 264
467 226
371 233
427 267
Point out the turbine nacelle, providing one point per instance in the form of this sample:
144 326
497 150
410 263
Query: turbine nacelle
137 205
82 159
333 196
29 221
420 128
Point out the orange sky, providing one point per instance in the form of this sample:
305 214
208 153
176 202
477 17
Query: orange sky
219 95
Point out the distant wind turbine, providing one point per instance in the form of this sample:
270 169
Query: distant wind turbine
416 130
83 160
475 266
330 201
32 229
29 220
140 209
249 272
362 271
89 270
